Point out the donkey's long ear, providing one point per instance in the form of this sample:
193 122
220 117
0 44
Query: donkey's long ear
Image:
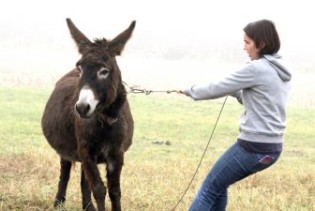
81 40
118 43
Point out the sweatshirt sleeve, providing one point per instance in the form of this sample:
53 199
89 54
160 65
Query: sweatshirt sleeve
239 80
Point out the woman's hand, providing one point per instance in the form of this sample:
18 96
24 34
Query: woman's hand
180 92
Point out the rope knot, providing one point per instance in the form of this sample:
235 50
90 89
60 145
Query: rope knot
136 90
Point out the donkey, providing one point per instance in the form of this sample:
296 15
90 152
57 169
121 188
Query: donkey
87 119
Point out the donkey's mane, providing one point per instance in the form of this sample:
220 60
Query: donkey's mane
100 43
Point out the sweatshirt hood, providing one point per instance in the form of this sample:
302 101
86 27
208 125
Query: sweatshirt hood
280 66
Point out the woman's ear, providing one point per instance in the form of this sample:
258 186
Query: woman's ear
262 45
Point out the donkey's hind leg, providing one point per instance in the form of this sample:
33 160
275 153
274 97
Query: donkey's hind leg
86 194
65 168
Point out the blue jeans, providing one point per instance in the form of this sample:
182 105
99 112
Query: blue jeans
235 164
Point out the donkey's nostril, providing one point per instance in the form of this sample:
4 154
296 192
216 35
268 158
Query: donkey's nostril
87 108
83 109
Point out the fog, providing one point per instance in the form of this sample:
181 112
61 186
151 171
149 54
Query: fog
175 42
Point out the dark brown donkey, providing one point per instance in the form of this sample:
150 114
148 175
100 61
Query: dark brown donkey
87 119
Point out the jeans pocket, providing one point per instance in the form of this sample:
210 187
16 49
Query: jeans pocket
263 162
267 159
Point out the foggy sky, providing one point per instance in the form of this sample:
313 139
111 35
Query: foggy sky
166 23
192 40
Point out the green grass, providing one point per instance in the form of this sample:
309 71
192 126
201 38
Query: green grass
154 175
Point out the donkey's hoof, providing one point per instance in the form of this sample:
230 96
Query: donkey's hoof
89 207
59 206
59 203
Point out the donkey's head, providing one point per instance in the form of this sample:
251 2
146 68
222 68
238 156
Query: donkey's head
100 77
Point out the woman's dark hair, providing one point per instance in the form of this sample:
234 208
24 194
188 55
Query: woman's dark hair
265 36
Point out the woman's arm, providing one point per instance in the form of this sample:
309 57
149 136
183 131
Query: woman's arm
231 85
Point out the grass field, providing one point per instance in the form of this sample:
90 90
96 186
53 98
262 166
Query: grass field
155 174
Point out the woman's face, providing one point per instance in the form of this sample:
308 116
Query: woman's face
250 47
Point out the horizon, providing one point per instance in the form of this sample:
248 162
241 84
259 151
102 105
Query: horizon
173 39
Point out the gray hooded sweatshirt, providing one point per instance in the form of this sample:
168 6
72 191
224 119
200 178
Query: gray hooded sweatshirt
262 86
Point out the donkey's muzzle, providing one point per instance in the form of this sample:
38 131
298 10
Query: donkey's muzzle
86 104
83 109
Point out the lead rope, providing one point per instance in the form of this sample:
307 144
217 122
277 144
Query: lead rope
203 155
135 90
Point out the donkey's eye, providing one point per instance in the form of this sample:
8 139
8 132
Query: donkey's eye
102 73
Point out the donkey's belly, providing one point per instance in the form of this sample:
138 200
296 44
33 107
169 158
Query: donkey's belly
61 137
58 117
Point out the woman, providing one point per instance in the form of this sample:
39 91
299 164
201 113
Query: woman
262 87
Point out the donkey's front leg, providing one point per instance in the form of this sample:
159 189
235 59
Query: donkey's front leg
113 168
86 194
92 175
